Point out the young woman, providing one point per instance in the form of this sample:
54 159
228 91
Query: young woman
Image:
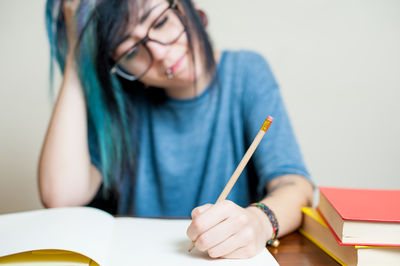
149 111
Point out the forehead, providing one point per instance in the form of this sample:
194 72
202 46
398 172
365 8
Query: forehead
141 10
141 14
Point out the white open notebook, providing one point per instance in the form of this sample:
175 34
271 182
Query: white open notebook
108 240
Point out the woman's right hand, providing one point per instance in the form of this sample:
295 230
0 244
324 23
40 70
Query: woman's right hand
66 175
69 8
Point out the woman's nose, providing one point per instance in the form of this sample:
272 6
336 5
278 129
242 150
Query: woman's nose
157 50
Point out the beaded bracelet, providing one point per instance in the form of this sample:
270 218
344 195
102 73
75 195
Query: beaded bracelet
274 242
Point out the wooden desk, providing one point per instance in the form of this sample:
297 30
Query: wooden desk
295 249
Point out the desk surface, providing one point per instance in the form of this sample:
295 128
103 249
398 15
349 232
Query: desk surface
295 249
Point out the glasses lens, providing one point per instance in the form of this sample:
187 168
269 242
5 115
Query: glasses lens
167 28
136 61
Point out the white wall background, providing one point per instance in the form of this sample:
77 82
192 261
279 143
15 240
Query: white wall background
338 64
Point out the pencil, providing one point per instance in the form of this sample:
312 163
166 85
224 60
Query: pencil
242 163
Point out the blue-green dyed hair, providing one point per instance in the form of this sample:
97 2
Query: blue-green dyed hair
101 23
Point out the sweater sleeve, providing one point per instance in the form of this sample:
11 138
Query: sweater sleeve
278 153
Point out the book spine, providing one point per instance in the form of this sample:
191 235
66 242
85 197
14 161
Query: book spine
312 239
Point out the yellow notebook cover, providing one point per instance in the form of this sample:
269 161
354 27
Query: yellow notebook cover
47 257
315 229
321 231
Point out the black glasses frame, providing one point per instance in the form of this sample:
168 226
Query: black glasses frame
121 72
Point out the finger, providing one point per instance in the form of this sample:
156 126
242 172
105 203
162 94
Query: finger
209 218
72 3
200 209
218 234
70 7
234 243
196 212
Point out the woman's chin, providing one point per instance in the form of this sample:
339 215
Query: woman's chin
186 77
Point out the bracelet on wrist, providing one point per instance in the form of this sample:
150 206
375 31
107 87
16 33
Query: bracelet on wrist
274 242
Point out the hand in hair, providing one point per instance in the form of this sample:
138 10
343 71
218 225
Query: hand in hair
69 8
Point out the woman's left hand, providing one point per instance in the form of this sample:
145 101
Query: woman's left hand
226 230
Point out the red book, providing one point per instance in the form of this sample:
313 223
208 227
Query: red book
369 217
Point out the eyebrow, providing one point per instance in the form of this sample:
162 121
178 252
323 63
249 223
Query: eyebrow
147 14
141 21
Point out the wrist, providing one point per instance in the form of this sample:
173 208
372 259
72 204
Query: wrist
71 66
272 222
71 79
263 222
70 60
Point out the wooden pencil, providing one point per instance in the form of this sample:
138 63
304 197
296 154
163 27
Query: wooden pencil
242 164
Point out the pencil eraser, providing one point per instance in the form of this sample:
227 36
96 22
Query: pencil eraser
270 118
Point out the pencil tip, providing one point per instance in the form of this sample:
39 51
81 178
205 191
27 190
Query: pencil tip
191 247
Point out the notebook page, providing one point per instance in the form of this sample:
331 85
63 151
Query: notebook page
142 241
80 229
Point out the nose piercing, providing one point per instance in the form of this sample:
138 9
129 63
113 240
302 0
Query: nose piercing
169 74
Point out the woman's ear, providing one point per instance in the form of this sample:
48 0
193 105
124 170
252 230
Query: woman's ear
203 17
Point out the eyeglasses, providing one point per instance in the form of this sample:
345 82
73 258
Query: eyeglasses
166 29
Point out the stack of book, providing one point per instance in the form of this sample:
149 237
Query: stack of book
356 226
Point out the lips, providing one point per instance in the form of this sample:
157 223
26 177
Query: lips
176 66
